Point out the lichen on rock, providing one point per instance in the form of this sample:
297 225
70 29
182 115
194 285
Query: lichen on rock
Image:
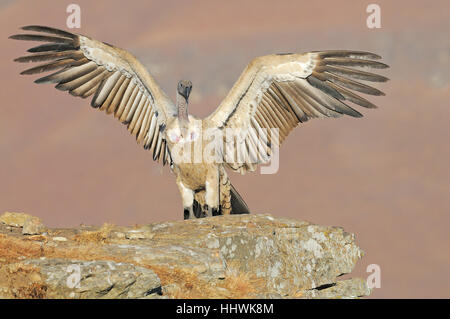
234 256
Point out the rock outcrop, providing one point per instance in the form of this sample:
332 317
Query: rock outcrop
237 256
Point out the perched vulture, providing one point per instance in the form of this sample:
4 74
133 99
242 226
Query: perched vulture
272 95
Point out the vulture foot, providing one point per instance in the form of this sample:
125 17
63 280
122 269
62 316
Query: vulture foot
189 213
210 211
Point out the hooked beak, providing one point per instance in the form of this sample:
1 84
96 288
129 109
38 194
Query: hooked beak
185 93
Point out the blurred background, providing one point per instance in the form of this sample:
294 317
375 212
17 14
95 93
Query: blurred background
384 177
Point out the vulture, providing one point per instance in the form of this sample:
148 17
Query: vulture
272 96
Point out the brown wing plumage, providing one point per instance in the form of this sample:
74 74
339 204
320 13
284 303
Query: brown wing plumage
280 91
116 80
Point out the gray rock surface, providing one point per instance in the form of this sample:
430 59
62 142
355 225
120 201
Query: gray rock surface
220 257
65 278
30 225
33 226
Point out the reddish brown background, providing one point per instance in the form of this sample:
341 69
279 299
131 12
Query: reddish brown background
385 177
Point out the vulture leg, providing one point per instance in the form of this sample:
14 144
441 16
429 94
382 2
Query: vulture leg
212 194
225 194
187 196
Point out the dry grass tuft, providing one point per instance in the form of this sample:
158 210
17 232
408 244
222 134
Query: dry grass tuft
34 291
241 284
99 236
22 281
182 284
11 249
188 284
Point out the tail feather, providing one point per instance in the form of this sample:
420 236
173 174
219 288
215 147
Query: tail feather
238 205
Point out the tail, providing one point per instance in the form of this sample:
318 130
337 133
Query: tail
238 205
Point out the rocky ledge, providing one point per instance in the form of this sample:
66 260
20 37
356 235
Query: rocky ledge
237 256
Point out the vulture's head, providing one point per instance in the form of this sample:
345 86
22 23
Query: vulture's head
184 88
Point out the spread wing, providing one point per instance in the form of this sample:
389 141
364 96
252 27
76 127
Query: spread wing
116 80
282 90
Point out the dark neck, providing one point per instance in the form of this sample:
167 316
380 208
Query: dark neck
182 106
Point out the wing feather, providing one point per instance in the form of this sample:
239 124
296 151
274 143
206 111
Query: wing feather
280 91
116 80
126 96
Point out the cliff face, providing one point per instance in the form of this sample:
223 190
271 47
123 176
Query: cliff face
238 256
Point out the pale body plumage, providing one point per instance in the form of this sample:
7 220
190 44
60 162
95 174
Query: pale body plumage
275 91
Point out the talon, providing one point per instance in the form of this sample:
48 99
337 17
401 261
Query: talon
189 213
206 211
216 211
